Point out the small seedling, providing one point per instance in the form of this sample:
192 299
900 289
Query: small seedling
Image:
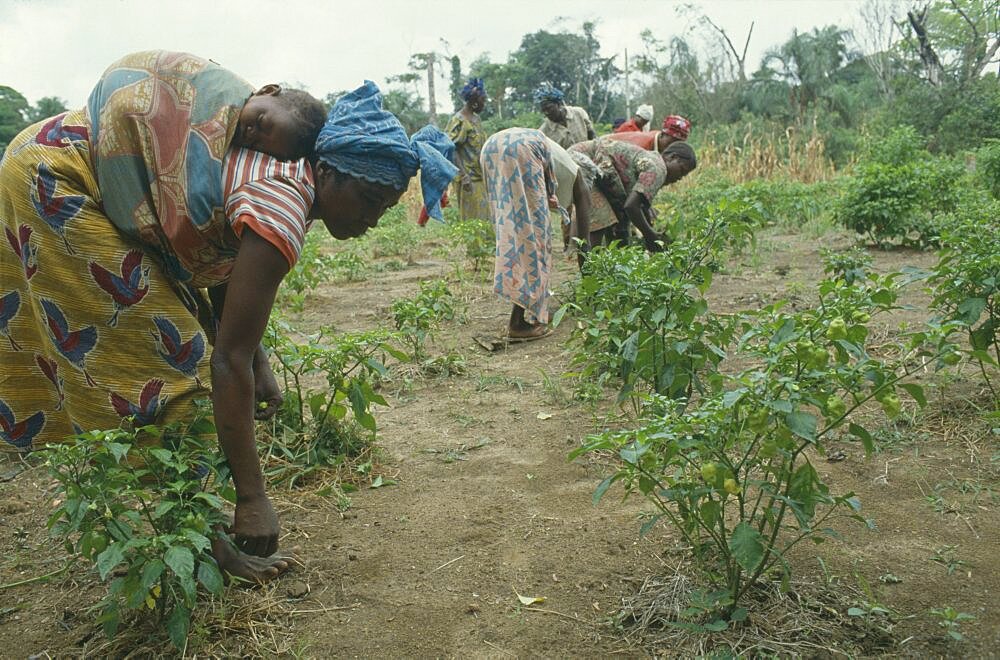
951 619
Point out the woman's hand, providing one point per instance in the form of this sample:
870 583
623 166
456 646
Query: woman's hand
255 526
265 387
655 242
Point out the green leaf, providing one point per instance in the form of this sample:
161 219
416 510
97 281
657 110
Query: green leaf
151 572
558 316
710 510
110 619
603 487
970 309
732 397
210 576
177 626
162 508
199 541
916 392
855 611
648 525
113 555
982 337
802 424
180 560
866 438
747 546
784 333
118 450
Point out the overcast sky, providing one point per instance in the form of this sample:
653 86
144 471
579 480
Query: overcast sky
60 47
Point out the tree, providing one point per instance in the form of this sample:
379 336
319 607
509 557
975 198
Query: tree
955 40
808 63
13 114
427 62
47 106
497 78
407 108
876 38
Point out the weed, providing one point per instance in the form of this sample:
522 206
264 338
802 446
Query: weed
554 392
484 382
945 556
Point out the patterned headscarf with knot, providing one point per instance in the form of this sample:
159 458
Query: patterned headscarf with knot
546 92
366 142
677 126
473 87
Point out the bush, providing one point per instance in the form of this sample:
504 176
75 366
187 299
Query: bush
477 237
418 317
988 166
898 193
776 201
641 318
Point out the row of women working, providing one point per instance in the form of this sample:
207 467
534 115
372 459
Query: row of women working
601 186
147 235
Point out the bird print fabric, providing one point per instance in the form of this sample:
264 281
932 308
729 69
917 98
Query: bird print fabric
91 330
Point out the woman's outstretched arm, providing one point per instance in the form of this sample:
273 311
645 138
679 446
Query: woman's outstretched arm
257 272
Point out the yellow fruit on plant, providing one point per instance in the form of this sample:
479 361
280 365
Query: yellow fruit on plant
819 359
835 406
98 543
891 405
804 349
731 486
837 329
709 472
861 317
758 420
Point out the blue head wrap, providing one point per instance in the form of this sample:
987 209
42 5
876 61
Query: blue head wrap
366 142
474 86
546 92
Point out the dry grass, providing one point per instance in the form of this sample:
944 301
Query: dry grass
795 154
808 620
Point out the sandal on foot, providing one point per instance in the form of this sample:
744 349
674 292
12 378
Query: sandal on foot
537 333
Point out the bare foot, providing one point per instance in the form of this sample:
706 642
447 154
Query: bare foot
248 567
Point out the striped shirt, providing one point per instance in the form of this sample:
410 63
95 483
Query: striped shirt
270 196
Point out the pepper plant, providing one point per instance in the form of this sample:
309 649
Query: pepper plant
732 470
142 506
417 318
641 319
311 429
966 286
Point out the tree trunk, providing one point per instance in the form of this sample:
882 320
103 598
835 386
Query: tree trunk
932 63
431 102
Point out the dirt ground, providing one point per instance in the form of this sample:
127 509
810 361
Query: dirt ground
486 507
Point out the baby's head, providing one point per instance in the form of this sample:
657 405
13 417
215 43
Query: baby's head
283 123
